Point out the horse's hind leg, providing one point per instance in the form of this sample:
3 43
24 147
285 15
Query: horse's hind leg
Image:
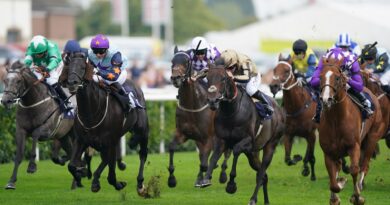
20 145
75 164
66 144
95 186
309 157
111 156
32 166
219 146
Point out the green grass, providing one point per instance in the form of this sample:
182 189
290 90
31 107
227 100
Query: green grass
51 183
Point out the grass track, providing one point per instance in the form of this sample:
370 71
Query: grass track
51 183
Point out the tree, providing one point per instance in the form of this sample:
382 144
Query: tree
97 19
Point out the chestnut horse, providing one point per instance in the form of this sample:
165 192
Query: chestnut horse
300 109
241 129
343 131
194 118
372 83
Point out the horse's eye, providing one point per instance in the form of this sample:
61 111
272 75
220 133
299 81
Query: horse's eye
337 78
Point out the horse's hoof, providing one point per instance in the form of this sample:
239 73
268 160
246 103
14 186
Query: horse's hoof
95 187
252 202
345 170
32 168
120 185
297 158
289 162
335 201
305 171
231 188
222 178
141 191
198 183
313 178
172 181
121 165
205 183
11 186
357 200
76 184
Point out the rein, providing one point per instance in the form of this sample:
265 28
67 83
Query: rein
290 76
100 122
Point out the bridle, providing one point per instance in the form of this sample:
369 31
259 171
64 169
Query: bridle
290 76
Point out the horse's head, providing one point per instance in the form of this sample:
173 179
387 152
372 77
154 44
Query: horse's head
218 86
333 81
371 81
16 85
180 67
283 72
78 71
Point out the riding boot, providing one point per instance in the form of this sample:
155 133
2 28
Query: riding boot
317 116
119 88
65 103
259 96
363 100
386 88
122 91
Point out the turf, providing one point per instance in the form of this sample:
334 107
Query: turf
51 183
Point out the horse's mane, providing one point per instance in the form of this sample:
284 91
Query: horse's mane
18 66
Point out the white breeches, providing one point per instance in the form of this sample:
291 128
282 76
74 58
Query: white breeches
253 85
54 74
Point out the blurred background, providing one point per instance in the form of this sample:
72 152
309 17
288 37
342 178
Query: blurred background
146 30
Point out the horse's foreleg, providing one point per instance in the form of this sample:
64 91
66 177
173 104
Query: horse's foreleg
288 140
32 166
111 156
121 165
245 145
20 140
75 164
204 153
261 168
55 150
223 176
368 152
309 157
219 147
354 154
88 158
334 186
95 186
143 155
66 144
172 147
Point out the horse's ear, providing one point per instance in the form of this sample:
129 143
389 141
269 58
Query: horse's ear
280 58
340 61
324 60
175 50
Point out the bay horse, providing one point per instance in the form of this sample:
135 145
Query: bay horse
241 129
194 118
101 122
37 115
343 131
372 83
300 109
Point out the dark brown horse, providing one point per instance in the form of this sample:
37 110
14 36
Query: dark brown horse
372 83
37 115
241 129
101 122
343 132
300 109
194 119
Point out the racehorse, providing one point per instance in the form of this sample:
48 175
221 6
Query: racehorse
100 123
300 109
194 118
373 84
37 115
343 131
241 129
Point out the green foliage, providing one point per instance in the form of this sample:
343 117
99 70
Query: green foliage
137 28
193 18
233 13
7 131
97 19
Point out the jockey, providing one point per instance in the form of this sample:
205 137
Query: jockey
111 66
355 81
377 61
205 53
44 55
241 68
72 46
345 42
304 61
